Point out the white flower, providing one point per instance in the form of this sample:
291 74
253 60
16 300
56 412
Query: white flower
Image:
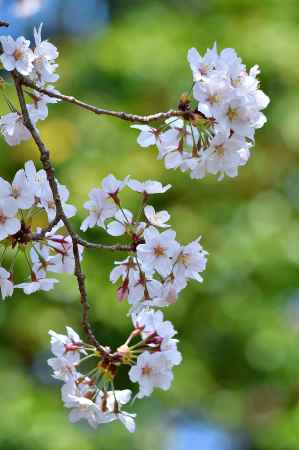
13 129
167 294
159 332
158 219
157 251
78 396
179 130
63 368
19 193
22 191
63 261
45 54
66 345
119 226
16 54
112 186
66 349
100 208
212 93
6 284
9 224
40 103
124 269
235 115
143 292
201 66
148 187
226 154
148 135
95 407
170 352
151 370
110 404
190 262
76 385
37 180
38 283
47 201
84 408
230 103
151 321
41 258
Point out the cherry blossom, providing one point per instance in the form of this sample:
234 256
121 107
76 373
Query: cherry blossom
212 132
191 260
41 102
151 371
37 179
157 251
100 209
38 283
45 54
112 186
16 54
13 129
148 187
20 192
213 137
66 344
48 203
110 403
118 227
157 219
202 66
63 260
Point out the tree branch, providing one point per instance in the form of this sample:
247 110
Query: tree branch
113 248
100 111
46 162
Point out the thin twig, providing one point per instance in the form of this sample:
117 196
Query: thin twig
112 248
46 162
100 111
39 236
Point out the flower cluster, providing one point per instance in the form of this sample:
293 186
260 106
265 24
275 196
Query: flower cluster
158 267
92 396
216 136
21 201
212 136
84 395
154 365
39 66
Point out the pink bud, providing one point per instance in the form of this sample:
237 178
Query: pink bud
122 293
72 347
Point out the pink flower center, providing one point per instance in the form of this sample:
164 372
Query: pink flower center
146 370
15 192
231 113
18 54
220 150
2 218
212 99
159 250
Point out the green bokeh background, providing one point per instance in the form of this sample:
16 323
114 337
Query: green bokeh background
239 330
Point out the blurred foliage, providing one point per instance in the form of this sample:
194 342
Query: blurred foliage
239 329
